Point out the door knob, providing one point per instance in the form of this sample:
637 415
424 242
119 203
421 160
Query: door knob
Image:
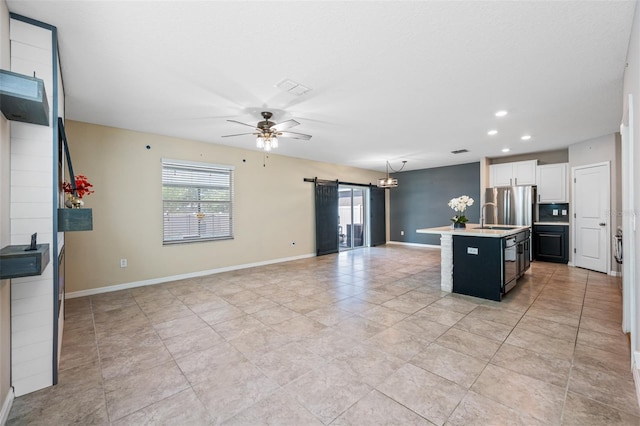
602 224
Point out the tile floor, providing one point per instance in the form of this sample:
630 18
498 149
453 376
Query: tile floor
364 337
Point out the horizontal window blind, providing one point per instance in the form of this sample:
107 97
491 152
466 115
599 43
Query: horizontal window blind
197 202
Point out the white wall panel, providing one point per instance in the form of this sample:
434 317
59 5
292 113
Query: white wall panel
29 226
31 53
31 195
22 179
30 34
32 190
31 352
32 367
31 210
35 303
28 289
33 335
23 386
31 147
31 163
27 322
31 132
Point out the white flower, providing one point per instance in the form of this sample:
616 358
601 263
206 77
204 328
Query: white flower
461 203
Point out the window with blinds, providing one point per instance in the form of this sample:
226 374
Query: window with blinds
197 202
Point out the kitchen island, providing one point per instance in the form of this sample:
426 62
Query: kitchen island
493 256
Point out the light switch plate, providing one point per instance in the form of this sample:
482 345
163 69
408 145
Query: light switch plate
555 212
564 212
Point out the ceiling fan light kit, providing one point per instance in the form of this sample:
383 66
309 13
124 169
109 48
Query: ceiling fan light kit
267 132
267 143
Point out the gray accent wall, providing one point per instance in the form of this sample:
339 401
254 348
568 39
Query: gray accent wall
420 200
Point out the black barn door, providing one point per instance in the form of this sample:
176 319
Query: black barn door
378 224
326 217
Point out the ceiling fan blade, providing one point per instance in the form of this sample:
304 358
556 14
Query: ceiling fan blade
240 122
285 125
239 134
294 135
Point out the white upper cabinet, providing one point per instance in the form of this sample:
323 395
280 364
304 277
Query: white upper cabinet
509 174
552 183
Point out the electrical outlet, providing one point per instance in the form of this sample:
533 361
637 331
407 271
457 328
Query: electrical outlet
123 263
401 232
564 212
555 212
293 243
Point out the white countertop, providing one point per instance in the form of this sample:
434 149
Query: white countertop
471 231
552 223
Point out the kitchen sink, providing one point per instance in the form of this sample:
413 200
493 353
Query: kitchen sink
497 228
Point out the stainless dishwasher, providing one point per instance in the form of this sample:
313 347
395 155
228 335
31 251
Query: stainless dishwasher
510 260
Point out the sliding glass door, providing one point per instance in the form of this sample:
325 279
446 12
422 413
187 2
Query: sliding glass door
352 211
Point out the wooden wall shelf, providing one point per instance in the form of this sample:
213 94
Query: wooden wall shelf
23 98
75 220
16 261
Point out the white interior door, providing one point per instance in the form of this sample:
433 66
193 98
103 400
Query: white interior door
592 201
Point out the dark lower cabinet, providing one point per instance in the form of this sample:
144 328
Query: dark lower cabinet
478 266
551 243
489 267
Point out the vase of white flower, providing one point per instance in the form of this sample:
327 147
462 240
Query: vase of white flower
459 205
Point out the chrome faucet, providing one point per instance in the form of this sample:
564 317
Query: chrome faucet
482 211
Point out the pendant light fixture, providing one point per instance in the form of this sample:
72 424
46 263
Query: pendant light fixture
389 182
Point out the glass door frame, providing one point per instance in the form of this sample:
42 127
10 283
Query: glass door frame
346 240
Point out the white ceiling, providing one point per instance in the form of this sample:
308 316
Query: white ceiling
396 80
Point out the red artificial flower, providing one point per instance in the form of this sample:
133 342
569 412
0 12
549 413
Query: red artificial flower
83 187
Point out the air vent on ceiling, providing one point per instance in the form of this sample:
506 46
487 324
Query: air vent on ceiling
459 151
292 87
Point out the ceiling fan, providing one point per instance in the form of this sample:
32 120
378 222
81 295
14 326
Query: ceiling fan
268 132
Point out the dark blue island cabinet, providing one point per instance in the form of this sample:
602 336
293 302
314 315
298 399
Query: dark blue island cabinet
488 267
477 266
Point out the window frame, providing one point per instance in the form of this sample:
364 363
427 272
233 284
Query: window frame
195 168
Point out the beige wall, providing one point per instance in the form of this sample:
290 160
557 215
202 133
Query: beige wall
5 286
543 157
273 206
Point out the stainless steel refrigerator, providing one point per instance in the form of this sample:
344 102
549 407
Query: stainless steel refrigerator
512 205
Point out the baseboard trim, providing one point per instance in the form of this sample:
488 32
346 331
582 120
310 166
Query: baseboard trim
615 273
414 244
126 286
636 373
6 406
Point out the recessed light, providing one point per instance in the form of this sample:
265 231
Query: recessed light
501 113
526 137
505 150
492 132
